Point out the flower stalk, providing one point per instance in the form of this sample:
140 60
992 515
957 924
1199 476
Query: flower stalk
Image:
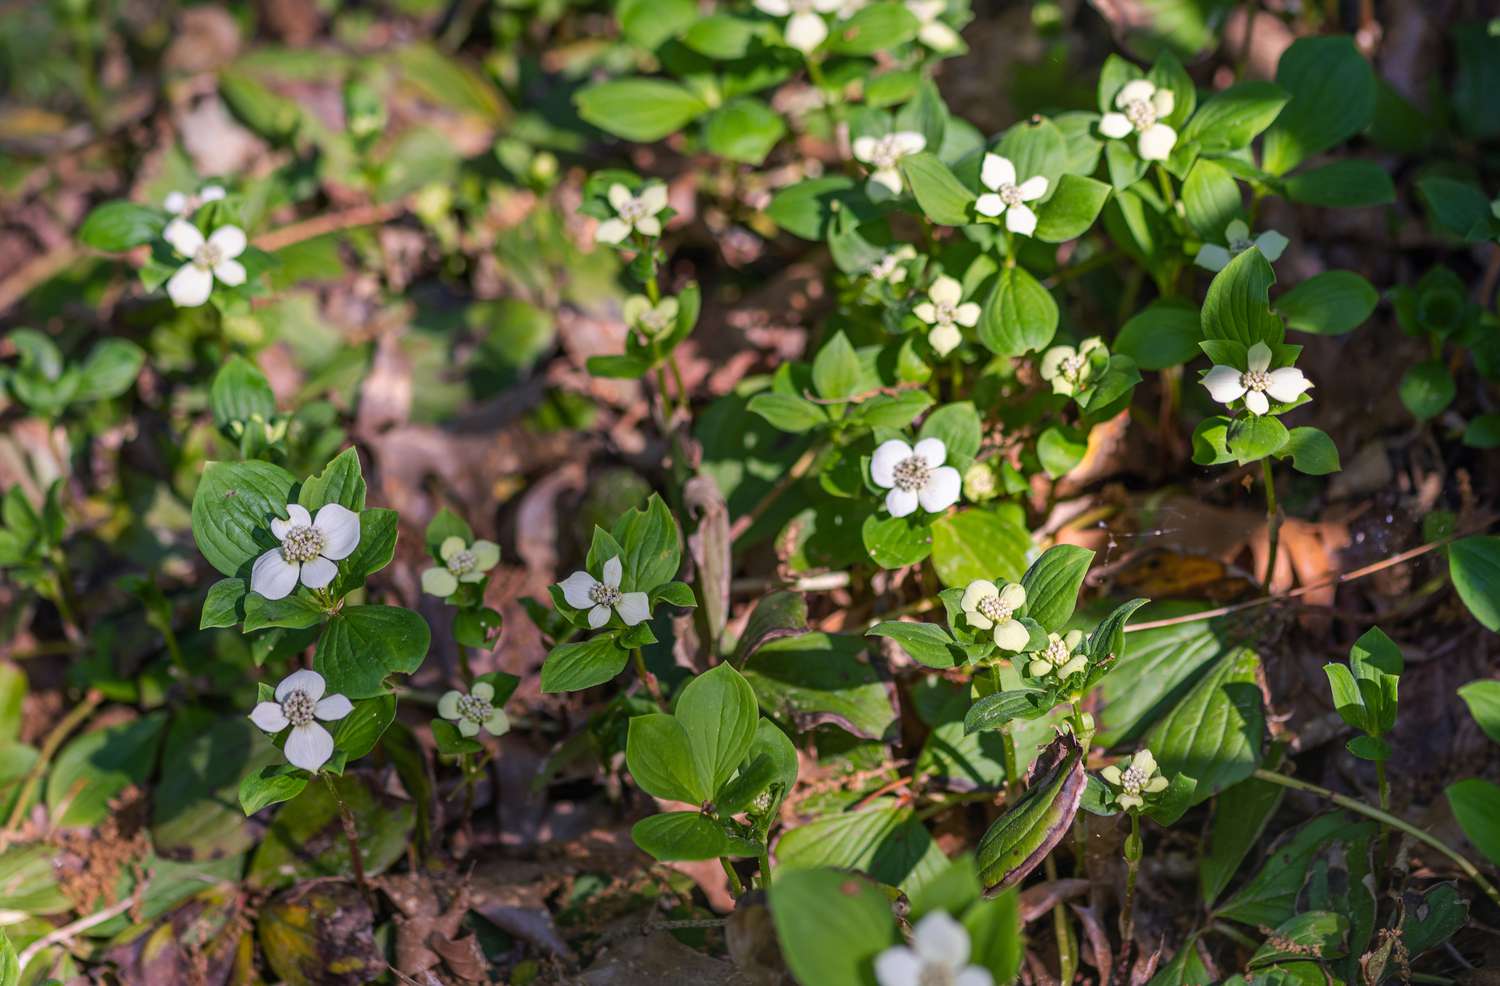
351 836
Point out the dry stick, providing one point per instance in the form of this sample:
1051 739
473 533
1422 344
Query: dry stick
791 476
68 931
1355 805
1358 573
351 836
54 739
361 215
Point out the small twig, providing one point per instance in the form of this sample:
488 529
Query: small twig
54 739
360 215
43 267
787 480
809 396
78 927
351 836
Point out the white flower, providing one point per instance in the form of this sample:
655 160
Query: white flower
1227 384
583 591
461 563
998 174
473 711
848 8
1141 105
1069 370
1139 777
182 203
805 29
987 606
309 548
1237 235
633 213
933 32
938 956
653 320
884 154
1059 658
942 310
915 476
299 702
891 267
207 259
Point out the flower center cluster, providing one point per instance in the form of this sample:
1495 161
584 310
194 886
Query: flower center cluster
604 595
462 563
1072 367
1238 246
1132 780
1009 194
1255 380
475 709
298 708
935 975
1140 113
994 609
886 153
655 321
302 544
884 267
1057 653
944 313
912 473
633 211
208 256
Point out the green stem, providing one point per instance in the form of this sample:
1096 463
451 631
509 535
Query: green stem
1132 865
54 739
647 678
765 871
1236 935
1067 962
1165 181
1012 766
1385 817
735 886
1273 522
351 836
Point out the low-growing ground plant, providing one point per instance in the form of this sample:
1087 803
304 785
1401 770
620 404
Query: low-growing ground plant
849 493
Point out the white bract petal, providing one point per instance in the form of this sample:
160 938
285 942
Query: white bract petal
309 683
997 171
939 940
931 451
1259 358
900 503
776 8
611 231
989 204
577 589
340 529
273 576
946 291
230 272
1271 245
1256 402
883 463
1287 384
1134 91
942 490
1033 188
297 516
889 179
333 708
967 314
1156 142
447 706
805 31
944 339
1020 219
598 616
309 746
230 241
613 570
269 717
184 237
1212 257
634 607
1115 125
1224 384
190 286
318 573
898 966
176 202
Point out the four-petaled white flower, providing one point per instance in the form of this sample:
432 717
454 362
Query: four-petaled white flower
653 320
183 203
633 213
1140 107
1059 657
461 563
891 267
309 547
1007 197
583 591
915 476
933 32
300 703
207 259
1237 239
1069 370
883 155
1227 384
989 607
1139 777
805 28
474 710
945 310
938 956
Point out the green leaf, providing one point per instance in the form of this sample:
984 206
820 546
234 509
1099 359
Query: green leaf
807 208
93 768
1214 734
240 392
270 785
978 544
815 679
1211 441
958 426
641 110
1252 437
270 115
1211 197
835 370
232 511
719 713
1329 304
1474 566
1238 306
1312 452
1319 934
1483 432
300 843
1431 918
895 542
1483 699
1427 389
1459 207
878 27
297 611
1060 449
574 667
1022 837
362 645
356 734
1232 118
720 36
652 549
662 760
119 226
1036 147
1270 896
376 548
941 196
927 643
221 608
790 414
109 370
1165 333
1476 805
995 710
342 481
1052 584
888 843
830 926
446 524
1346 698
1332 90
681 835
1343 184
1072 209
1240 816
744 130
1020 316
